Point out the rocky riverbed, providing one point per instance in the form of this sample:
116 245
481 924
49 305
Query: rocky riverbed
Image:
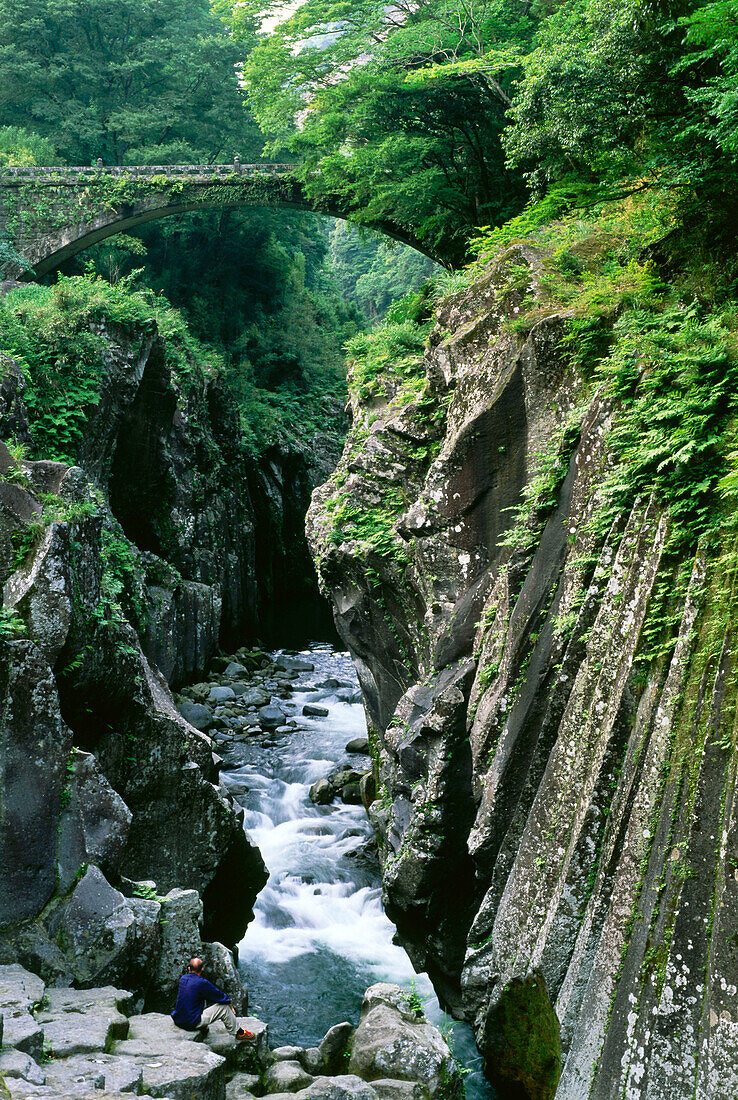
91 1043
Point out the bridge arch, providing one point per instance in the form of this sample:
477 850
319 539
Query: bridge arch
50 214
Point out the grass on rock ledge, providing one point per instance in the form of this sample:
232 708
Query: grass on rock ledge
51 333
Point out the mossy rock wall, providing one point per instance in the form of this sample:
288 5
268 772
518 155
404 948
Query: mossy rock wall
550 683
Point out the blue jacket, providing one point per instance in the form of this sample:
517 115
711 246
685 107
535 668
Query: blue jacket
193 994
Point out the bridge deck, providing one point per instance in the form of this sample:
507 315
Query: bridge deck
12 176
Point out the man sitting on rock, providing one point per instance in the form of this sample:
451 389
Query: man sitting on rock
194 993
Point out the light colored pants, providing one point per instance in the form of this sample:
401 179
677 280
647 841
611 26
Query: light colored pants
219 1012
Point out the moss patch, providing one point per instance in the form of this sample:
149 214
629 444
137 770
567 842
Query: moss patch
524 1042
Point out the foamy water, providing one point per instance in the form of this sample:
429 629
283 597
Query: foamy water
320 935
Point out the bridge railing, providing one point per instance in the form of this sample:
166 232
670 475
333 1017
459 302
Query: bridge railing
17 174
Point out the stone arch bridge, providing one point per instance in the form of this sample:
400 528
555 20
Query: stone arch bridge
49 214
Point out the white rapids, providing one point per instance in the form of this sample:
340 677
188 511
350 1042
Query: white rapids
320 935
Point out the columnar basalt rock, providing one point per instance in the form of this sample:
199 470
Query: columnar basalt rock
556 825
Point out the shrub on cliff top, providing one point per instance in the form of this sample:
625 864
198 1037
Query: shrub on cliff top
50 332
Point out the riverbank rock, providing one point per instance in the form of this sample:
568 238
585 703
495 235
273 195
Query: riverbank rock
110 938
271 717
393 1040
541 858
197 714
117 807
334 1047
20 991
286 1076
94 1042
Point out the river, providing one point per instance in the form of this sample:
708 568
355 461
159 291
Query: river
320 934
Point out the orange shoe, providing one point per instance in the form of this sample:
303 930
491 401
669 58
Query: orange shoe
242 1034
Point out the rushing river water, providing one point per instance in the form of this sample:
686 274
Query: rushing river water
320 935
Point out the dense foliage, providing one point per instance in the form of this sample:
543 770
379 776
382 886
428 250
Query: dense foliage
398 110
128 82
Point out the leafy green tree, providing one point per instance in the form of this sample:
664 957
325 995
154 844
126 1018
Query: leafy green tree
398 111
707 142
21 147
127 81
374 272
591 91
622 95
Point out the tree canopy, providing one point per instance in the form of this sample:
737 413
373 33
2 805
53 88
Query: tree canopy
399 110
127 81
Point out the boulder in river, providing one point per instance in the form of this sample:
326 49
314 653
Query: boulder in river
322 792
298 664
340 778
271 717
392 1041
351 794
359 745
312 710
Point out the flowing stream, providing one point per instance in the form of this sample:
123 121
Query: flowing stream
320 935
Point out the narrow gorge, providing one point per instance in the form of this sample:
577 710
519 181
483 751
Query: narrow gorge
543 642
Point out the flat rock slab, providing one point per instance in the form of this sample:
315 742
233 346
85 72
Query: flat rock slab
312 710
14 1063
19 988
187 1071
344 1087
19 992
103 1071
84 1021
21 1089
21 1031
176 1065
18 1090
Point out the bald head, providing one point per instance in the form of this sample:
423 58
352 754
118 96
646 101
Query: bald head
196 966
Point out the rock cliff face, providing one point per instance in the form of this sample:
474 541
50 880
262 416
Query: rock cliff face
121 576
556 819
